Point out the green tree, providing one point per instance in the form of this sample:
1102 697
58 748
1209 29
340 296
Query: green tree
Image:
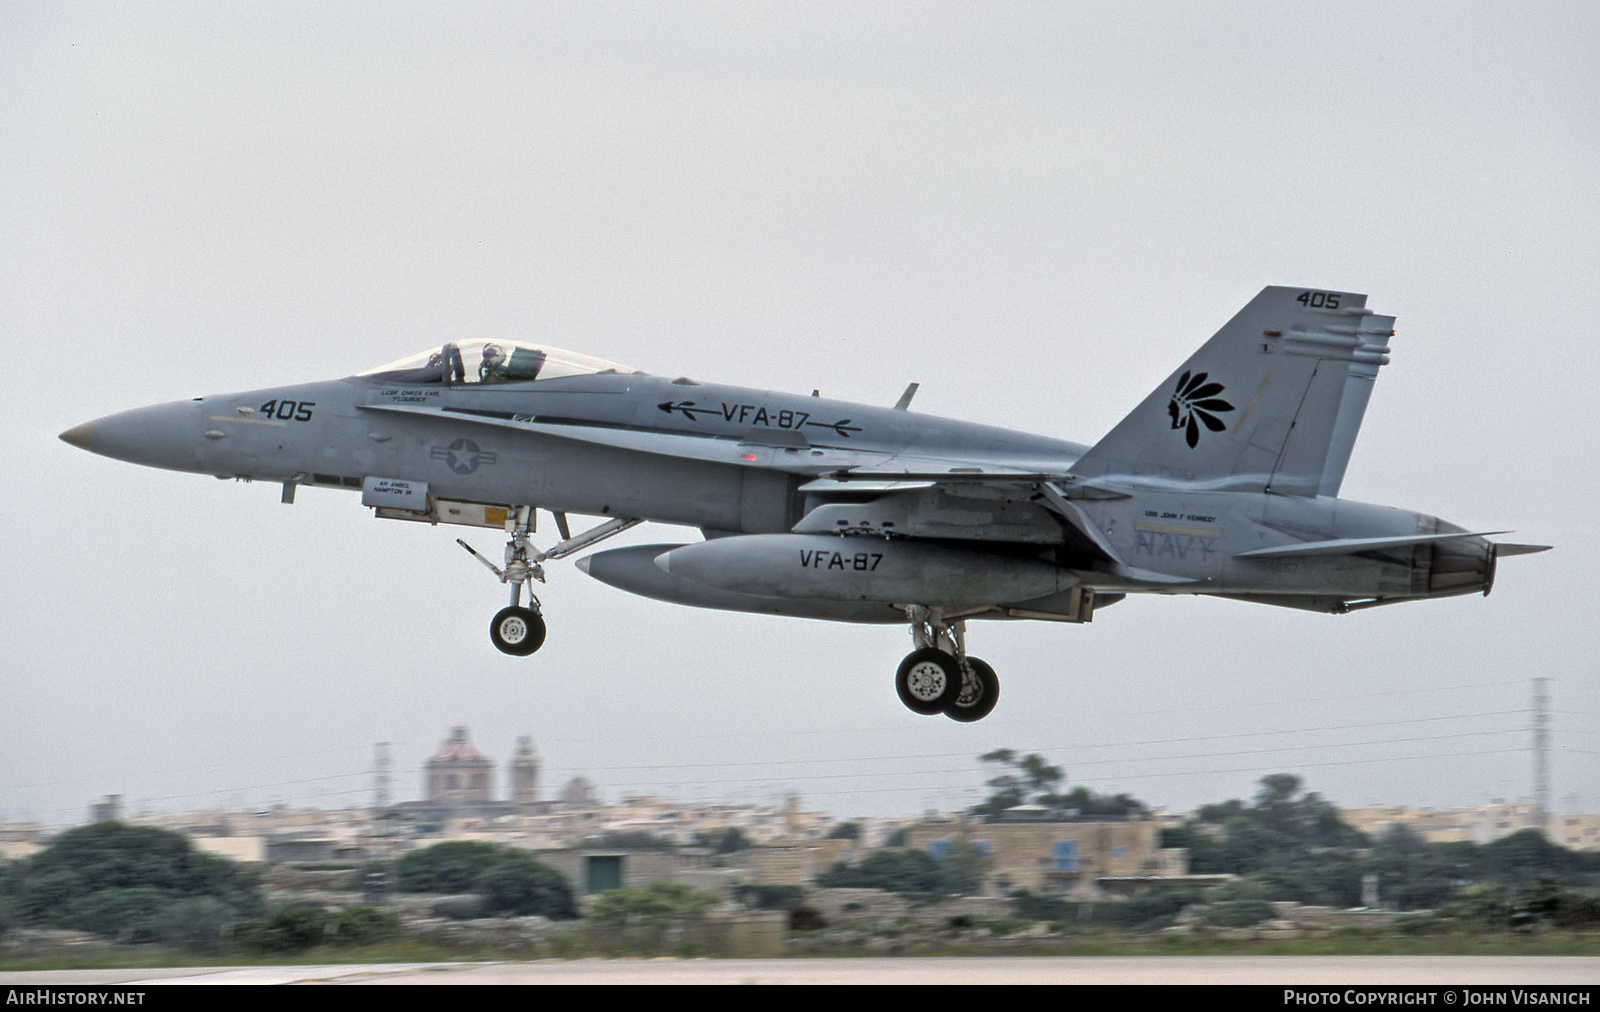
1087 802
445 868
1025 778
1524 857
508 880
1290 844
724 841
1281 808
1412 875
519 885
121 881
1031 779
896 871
913 872
965 868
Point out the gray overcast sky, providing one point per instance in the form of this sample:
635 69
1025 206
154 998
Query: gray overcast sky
1035 211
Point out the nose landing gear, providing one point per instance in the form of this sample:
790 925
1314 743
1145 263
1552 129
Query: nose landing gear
938 676
514 629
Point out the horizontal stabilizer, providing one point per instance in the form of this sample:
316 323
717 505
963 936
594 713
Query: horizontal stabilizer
1506 549
1350 546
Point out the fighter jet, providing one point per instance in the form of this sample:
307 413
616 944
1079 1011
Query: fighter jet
1224 481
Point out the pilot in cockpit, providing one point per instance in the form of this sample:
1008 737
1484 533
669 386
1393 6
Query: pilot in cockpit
493 367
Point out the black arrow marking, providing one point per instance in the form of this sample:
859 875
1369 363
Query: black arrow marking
842 427
687 408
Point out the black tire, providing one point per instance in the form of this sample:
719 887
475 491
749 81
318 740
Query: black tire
517 631
976 699
928 681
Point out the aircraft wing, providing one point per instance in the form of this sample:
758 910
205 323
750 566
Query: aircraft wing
1007 500
688 445
838 468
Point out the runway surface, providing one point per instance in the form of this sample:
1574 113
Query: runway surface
1447 971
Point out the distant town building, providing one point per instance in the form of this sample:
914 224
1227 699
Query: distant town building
1575 832
1088 856
525 773
1478 823
458 774
579 791
109 809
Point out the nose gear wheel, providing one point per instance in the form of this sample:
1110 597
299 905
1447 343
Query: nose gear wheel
517 631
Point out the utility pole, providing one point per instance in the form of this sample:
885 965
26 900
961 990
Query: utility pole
380 792
1541 753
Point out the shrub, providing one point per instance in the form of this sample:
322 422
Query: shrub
289 929
1237 913
657 904
301 926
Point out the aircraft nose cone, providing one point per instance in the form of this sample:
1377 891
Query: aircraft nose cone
165 435
78 436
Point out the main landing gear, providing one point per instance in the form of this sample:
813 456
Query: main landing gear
938 676
514 629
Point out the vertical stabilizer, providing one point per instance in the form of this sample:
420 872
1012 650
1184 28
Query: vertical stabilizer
1271 403
1374 332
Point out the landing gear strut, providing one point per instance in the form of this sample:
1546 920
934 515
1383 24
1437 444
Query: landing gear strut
514 629
938 676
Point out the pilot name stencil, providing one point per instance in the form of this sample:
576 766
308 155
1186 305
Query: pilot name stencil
411 396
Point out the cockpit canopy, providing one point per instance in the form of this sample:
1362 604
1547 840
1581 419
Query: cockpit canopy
463 362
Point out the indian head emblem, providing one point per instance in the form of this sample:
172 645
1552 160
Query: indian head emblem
1195 403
